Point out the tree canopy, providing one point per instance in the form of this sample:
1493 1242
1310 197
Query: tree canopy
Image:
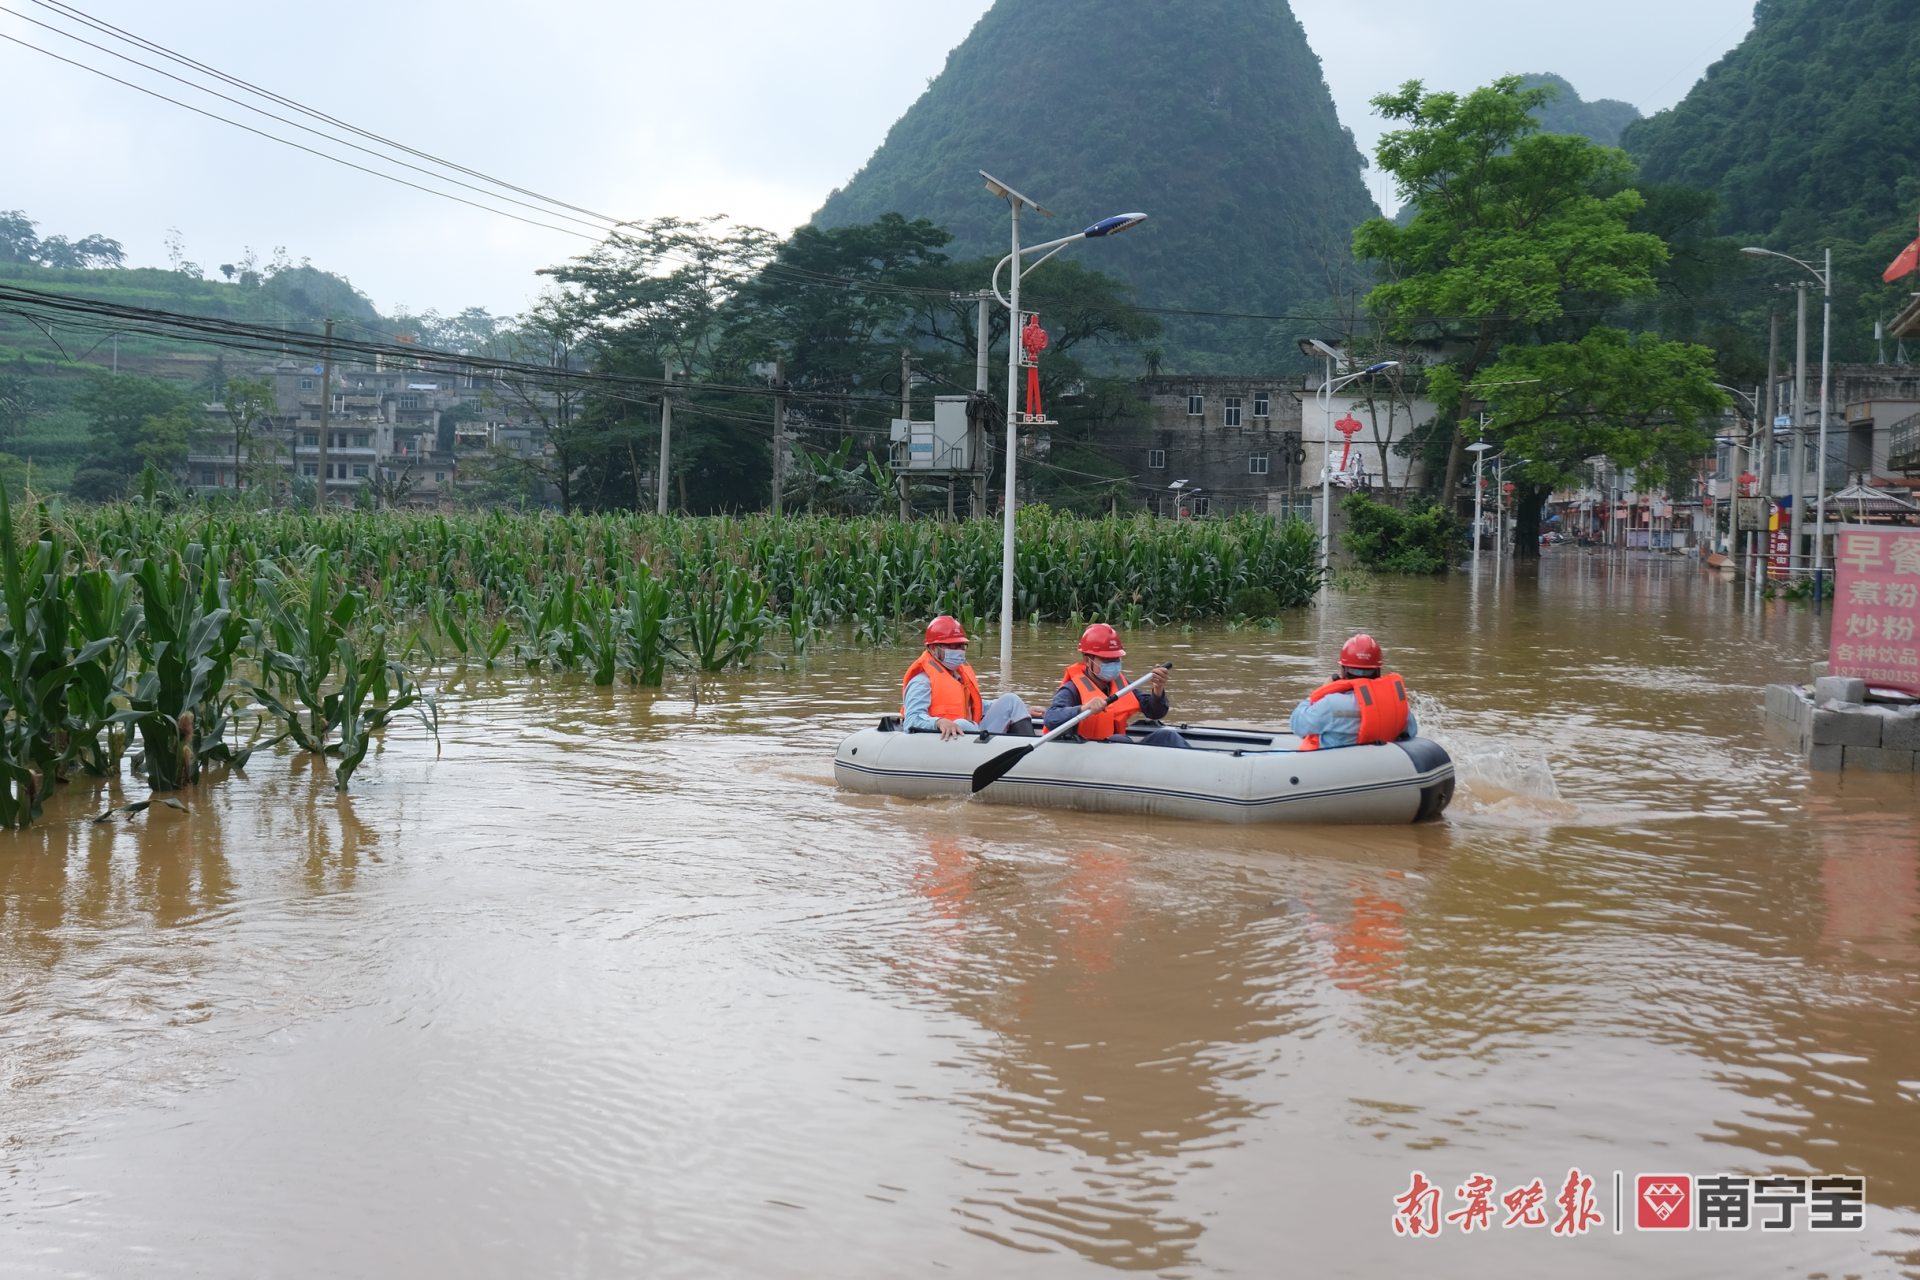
1520 243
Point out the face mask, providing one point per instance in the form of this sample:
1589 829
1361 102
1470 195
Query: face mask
1110 670
953 657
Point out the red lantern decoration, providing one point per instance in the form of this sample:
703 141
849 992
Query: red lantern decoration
1034 340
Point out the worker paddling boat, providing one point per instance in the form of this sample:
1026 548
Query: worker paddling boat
1230 775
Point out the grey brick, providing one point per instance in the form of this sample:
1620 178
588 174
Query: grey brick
1878 759
1815 670
1901 733
1826 759
1846 728
1840 688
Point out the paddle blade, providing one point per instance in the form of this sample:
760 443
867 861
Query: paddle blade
993 770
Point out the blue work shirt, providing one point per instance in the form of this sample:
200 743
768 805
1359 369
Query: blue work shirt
1336 718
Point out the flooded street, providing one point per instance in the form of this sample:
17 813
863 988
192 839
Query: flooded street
618 984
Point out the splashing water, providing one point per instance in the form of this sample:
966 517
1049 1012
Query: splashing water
1497 775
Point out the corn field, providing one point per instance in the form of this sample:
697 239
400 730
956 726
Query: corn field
131 630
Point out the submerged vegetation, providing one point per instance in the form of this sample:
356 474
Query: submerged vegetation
136 629
1422 539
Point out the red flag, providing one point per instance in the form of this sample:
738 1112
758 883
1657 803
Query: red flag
1909 259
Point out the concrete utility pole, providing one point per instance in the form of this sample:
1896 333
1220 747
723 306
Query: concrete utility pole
1009 456
1820 479
326 405
977 441
1762 536
666 438
1795 559
906 416
980 344
779 431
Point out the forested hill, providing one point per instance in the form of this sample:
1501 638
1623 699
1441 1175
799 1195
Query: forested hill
1212 116
1807 129
1602 120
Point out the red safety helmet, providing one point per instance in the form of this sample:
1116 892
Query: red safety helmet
944 630
1101 641
1362 652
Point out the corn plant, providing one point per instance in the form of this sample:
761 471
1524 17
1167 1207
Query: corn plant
187 644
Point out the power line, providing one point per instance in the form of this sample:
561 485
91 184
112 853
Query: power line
247 106
107 28
444 195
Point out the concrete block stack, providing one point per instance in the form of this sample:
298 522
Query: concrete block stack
1836 727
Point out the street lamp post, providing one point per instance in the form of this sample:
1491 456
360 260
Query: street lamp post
1105 227
1826 342
1479 450
1735 466
1328 385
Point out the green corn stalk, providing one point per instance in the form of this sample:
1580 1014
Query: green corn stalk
299 643
186 652
646 623
366 703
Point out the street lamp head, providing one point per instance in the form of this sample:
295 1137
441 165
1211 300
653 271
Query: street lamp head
1479 446
1115 225
1384 364
1759 253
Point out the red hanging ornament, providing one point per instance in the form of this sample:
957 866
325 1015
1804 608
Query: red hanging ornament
1034 340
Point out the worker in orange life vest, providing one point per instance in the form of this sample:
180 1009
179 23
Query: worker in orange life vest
1092 683
1362 706
940 694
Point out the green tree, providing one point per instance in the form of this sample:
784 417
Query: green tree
1635 400
1508 228
119 405
167 438
248 403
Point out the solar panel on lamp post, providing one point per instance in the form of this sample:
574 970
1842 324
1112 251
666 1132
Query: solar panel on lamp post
1100 230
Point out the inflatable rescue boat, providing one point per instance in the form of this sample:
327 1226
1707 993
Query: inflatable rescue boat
1231 775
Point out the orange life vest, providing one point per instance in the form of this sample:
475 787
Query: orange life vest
1101 725
956 694
1383 708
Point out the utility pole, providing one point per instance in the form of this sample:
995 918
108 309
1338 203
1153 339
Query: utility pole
779 431
976 432
1794 558
906 416
666 437
1820 480
1762 536
326 406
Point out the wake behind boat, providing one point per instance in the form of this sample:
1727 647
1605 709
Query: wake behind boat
1230 775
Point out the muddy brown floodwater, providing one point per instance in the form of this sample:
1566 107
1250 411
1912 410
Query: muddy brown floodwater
615 984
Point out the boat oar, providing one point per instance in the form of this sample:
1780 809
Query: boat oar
993 770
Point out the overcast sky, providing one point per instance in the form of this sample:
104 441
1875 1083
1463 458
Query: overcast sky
755 108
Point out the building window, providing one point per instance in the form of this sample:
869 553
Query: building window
439 476
409 402
310 439
360 440
306 384
310 469
1233 411
1196 406
1260 405
1156 459
1257 464
359 471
